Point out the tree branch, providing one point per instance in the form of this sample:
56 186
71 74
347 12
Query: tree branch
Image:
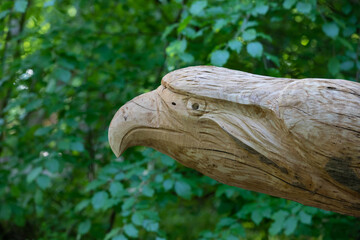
111 220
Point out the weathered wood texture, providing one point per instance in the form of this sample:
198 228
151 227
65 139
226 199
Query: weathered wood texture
297 139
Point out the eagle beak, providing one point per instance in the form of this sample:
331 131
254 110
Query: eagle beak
141 113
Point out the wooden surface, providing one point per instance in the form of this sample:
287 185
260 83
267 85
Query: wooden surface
297 139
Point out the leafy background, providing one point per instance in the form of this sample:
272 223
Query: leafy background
66 66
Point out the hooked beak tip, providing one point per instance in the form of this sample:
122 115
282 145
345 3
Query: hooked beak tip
137 113
114 144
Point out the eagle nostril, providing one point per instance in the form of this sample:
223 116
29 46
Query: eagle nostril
173 103
195 106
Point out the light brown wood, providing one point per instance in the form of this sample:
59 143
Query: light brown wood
297 139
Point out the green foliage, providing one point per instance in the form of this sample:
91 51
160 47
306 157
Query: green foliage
219 57
255 49
67 66
330 29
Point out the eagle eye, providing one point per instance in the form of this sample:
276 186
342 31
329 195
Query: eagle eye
196 106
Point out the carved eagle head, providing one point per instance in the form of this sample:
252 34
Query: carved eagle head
192 117
271 135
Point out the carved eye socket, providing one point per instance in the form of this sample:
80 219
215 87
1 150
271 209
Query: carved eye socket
196 106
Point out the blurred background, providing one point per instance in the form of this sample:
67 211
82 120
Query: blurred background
66 66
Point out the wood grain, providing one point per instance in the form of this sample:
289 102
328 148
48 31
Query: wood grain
297 139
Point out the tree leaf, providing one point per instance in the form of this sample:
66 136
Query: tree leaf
273 58
128 203
49 3
94 184
119 176
176 47
219 57
5 212
38 198
77 146
51 86
150 225
303 7
235 45
280 215
256 216
131 230
109 170
255 49
346 43
62 74
190 33
33 105
43 181
137 218
232 237
305 218
119 237
20 6
311 210
226 221
197 7
159 178
248 24
220 23
261 8
347 65
99 199
334 66
238 230
249 34
346 9
348 31
111 235
277 225
84 227
330 29
116 188
265 36
52 165
81 205
290 225
166 160
168 30
183 24
168 184
3 14
148 191
183 189
287 4
186 57
42 131
33 174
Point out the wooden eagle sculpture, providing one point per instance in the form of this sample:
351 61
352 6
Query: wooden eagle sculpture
297 139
